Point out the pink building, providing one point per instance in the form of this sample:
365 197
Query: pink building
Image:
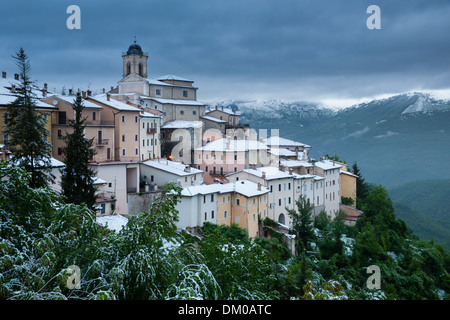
225 155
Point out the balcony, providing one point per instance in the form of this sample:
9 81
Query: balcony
151 130
101 142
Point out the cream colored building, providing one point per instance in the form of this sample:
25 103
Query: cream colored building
240 203
126 121
102 131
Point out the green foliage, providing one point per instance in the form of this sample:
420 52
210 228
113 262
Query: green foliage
77 178
41 236
302 221
27 130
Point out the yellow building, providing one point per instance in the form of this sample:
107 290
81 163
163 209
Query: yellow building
348 183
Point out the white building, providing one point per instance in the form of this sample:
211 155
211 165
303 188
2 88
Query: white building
149 135
331 172
120 179
161 172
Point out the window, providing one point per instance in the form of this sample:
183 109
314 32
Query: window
279 187
59 151
212 214
123 152
181 111
143 142
223 200
136 151
289 186
102 210
59 134
158 92
317 200
93 116
5 117
204 199
135 119
194 112
279 202
123 118
110 185
238 202
185 179
212 198
235 157
62 117
225 213
135 137
185 93
206 216
271 188
289 200
123 138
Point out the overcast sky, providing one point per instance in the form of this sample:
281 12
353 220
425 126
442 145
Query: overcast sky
314 50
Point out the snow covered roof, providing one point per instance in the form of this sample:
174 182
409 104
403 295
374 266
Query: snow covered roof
113 103
225 110
327 165
295 163
71 100
230 145
97 180
182 124
149 115
282 152
174 101
173 77
54 162
349 173
213 119
113 222
173 167
244 187
272 173
279 141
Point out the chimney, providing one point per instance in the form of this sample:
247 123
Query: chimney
4 74
290 171
89 93
222 108
108 96
216 107
187 168
259 186
16 76
103 90
70 92
281 168
44 93
83 94
264 175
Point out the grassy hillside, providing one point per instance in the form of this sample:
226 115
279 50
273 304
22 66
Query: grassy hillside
425 206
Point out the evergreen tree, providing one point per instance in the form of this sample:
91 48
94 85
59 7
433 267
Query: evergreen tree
302 220
27 128
77 178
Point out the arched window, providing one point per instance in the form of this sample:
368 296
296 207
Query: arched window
141 70
281 218
128 68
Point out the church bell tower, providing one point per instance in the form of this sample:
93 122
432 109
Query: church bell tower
135 61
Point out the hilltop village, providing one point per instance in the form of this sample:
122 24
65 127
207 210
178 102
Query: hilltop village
148 132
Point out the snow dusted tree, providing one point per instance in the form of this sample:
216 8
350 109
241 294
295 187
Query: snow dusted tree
302 221
77 178
27 128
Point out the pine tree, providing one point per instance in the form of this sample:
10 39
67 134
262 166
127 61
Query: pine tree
302 220
27 128
361 186
77 178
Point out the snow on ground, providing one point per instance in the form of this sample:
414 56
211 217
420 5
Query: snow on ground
113 222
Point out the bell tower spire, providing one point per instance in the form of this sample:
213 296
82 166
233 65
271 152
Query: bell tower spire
135 61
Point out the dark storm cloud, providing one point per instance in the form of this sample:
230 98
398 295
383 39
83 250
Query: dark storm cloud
237 49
